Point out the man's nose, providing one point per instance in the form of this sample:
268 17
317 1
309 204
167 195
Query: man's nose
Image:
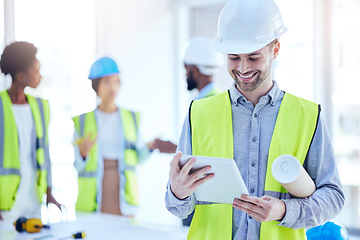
243 66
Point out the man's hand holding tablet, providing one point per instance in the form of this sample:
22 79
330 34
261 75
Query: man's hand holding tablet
211 179
184 184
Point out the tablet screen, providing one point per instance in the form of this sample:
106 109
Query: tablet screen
227 183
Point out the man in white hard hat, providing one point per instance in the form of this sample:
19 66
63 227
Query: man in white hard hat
265 123
201 61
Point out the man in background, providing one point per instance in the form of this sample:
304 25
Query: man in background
201 62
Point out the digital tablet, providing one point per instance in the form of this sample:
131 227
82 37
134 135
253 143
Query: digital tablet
227 183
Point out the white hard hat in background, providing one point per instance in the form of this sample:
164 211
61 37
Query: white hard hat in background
200 51
246 26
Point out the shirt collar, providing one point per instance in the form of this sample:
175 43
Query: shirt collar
273 95
205 91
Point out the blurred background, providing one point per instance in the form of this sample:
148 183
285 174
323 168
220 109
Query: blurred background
318 60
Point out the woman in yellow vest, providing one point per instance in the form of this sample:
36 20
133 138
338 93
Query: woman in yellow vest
108 148
253 123
25 173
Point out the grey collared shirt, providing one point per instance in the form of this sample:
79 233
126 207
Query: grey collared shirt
253 128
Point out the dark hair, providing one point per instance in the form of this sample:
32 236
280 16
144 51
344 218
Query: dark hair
17 57
95 84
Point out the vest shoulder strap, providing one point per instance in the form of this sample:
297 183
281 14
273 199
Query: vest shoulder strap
295 127
212 135
84 123
130 121
220 125
9 143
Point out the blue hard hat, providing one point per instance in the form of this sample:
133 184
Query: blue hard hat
328 231
103 67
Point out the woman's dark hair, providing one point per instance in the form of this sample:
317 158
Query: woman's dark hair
17 57
95 84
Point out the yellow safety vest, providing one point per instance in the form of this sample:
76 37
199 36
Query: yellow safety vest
86 124
212 135
9 149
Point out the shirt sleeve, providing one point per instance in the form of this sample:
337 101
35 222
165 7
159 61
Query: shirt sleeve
141 148
181 208
48 167
328 199
47 158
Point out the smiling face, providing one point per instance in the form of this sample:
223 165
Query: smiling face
252 71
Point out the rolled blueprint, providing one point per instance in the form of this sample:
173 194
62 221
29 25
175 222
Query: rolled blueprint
288 171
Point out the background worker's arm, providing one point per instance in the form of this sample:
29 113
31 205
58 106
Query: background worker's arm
326 202
164 146
142 148
82 147
85 144
50 198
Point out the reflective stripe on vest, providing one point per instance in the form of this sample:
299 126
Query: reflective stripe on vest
9 149
86 124
211 135
130 122
41 113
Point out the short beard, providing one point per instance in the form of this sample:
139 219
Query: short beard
191 83
251 86
248 87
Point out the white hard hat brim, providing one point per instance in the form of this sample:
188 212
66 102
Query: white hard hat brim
242 47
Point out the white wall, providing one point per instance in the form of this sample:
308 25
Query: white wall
140 35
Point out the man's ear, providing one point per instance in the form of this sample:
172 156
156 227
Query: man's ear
195 71
276 49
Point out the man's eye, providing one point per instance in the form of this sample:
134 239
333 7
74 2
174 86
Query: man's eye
253 59
234 58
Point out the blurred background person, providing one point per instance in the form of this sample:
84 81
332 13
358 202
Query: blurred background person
108 147
25 171
201 62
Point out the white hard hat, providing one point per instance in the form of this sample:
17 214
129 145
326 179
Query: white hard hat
246 26
200 51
